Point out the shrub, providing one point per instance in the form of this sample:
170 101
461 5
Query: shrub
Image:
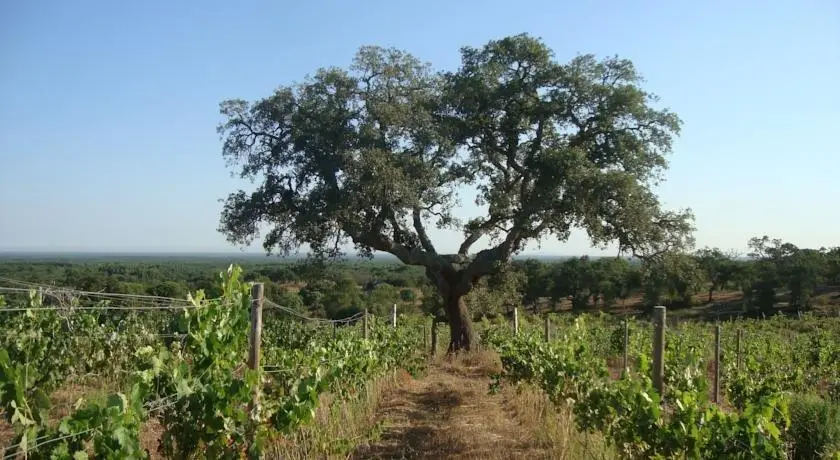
407 295
814 427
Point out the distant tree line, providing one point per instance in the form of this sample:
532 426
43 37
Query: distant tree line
772 273
335 290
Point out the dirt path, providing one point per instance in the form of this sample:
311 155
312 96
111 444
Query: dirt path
449 414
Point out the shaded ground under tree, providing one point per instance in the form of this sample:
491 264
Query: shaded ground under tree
449 414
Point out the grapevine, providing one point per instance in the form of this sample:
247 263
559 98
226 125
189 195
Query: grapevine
189 373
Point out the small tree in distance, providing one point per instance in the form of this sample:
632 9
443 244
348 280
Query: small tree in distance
719 268
373 154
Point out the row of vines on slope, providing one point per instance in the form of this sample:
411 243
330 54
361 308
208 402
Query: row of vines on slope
196 384
683 423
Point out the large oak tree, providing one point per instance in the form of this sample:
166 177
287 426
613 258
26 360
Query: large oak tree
374 154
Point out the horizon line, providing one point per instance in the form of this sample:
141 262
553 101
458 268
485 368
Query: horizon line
46 252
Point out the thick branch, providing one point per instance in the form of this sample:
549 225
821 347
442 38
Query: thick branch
471 239
510 154
536 144
406 255
421 231
481 230
396 228
488 261
484 263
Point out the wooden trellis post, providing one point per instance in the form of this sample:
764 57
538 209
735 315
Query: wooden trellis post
659 349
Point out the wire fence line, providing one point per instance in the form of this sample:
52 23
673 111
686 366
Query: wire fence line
151 406
107 301
158 306
65 296
64 302
68 299
14 453
163 402
27 286
142 302
304 317
117 301
156 405
98 308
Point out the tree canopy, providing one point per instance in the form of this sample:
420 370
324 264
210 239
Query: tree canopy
375 153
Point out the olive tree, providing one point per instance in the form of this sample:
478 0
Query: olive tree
376 153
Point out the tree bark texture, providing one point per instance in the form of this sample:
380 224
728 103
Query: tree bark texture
452 286
460 324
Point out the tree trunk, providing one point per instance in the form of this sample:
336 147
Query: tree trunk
452 289
711 290
460 324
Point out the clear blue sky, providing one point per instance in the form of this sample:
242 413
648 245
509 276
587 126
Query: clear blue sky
109 109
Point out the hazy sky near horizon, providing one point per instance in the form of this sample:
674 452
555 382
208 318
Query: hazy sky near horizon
109 109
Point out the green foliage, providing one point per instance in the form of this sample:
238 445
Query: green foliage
582 280
719 269
178 276
380 299
171 289
198 387
781 265
407 295
803 272
183 377
780 357
205 374
431 304
832 271
611 280
496 294
289 300
52 341
776 274
671 280
628 411
815 427
112 428
573 279
374 153
536 280
313 293
341 294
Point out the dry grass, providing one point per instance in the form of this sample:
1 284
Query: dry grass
552 427
447 414
451 414
339 426
481 363
63 402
